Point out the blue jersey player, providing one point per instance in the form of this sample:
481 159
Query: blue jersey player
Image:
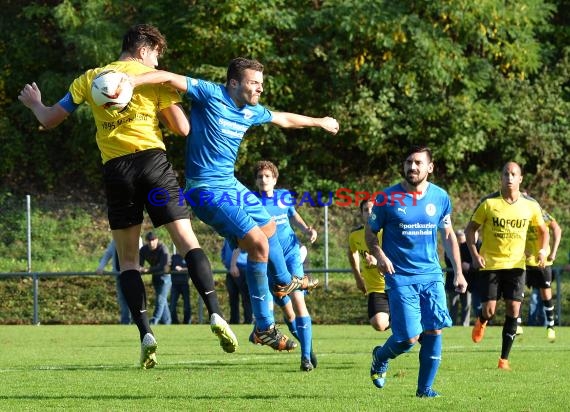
220 116
411 214
280 205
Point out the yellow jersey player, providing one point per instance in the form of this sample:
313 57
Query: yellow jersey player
138 176
504 218
541 277
368 278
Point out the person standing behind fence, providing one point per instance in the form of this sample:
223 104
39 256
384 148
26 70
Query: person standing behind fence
456 300
137 176
368 278
235 262
541 277
156 254
110 254
504 218
180 287
411 214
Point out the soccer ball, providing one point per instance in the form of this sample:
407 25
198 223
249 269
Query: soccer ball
111 90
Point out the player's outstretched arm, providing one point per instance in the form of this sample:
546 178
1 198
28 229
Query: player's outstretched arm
48 116
299 121
159 77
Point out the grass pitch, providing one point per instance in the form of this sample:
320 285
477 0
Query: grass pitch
96 368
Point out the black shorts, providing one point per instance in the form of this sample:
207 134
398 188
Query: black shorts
539 277
142 180
377 302
503 283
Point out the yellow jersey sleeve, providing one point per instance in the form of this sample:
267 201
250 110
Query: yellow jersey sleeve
532 246
134 128
373 280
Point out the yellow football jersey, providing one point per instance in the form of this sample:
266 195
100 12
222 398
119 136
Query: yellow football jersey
373 280
504 229
532 246
136 127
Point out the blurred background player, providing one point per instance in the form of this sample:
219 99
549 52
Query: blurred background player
110 254
541 277
235 262
368 278
280 205
180 288
459 304
156 254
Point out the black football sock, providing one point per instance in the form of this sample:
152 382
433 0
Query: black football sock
509 334
549 312
202 277
135 294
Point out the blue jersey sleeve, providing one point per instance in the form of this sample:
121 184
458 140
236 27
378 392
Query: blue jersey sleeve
201 90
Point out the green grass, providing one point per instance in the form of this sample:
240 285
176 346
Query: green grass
95 368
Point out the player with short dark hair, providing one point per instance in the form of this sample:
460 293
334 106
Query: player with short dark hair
134 168
221 115
411 213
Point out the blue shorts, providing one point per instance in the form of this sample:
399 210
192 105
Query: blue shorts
294 265
293 261
418 307
233 212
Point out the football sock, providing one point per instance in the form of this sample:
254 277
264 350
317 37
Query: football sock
305 332
392 348
134 291
292 325
549 312
256 275
200 272
430 358
509 334
278 268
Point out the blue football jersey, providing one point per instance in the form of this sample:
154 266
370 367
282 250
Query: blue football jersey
411 224
218 127
281 207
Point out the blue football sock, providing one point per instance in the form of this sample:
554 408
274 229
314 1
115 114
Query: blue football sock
256 275
278 268
392 348
292 327
430 358
305 332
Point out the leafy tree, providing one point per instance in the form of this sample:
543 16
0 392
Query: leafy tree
480 82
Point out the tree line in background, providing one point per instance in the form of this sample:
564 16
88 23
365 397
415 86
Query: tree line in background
480 82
